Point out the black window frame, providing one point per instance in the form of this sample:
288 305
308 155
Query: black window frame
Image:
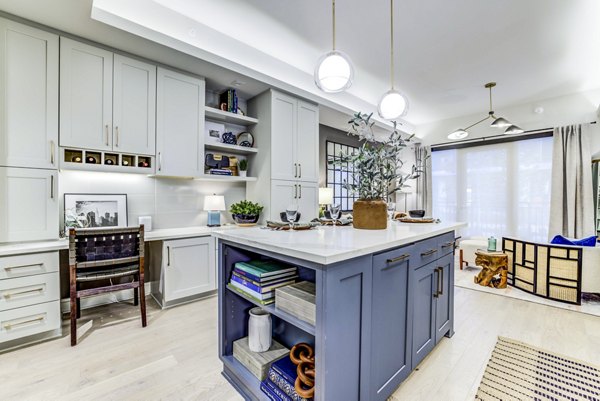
341 196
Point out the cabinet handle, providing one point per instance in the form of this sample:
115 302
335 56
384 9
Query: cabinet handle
52 186
23 266
300 186
398 259
295 170
117 136
447 244
106 131
441 281
12 294
429 252
295 191
38 319
168 256
300 170
437 283
159 161
52 152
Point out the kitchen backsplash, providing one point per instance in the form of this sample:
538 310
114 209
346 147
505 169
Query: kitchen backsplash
171 202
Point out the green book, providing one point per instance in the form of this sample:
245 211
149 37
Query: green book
263 268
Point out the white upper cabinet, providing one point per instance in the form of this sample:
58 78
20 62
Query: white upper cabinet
307 142
179 125
294 139
283 134
28 204
107 101
134 106
28 96
85 96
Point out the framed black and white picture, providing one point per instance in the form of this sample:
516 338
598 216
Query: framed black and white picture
95 210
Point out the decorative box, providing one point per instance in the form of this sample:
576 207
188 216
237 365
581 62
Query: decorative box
258 363
215 160
299 300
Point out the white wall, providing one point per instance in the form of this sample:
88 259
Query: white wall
171 202
569 109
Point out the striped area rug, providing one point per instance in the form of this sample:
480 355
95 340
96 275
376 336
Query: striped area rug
519 371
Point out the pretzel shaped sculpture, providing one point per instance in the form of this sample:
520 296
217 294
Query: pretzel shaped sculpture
303 356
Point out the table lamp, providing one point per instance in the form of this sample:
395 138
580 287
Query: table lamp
406 191
214 205
325 198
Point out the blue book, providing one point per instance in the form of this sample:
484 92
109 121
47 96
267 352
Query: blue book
261 288
286 368
264 281
282 374
272 396
278 392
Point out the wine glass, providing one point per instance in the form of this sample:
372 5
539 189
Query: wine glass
334 211
391 208
290 213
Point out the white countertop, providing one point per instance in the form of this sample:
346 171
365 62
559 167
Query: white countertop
154 235
326 245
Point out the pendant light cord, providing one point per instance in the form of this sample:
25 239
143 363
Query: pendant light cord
392 43
491 108
333 22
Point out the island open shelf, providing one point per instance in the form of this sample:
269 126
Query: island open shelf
379 311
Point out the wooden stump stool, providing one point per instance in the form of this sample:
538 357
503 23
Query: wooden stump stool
492 263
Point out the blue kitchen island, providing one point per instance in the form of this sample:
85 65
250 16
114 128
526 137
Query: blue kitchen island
384 299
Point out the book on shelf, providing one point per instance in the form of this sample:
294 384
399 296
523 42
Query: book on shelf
256 300
260 296
262 288
273 392
219 171
230 99
264 268
264 280
282 374
298 299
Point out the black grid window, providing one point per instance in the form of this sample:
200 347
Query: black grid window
338 174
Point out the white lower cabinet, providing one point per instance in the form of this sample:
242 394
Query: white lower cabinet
303 194
29 298
188 268
28 204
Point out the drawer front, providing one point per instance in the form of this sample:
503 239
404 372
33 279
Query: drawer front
31 290
30 320
28 264
431 249
446 243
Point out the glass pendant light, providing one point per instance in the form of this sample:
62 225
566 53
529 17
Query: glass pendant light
334 71
393 103
513 129
500 123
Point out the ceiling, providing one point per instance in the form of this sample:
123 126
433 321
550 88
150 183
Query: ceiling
446 50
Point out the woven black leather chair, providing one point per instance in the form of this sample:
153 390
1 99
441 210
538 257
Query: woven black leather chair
100 254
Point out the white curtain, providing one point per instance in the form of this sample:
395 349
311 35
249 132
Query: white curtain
500 189
572 206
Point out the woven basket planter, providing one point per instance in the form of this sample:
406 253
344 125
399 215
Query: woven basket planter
370 214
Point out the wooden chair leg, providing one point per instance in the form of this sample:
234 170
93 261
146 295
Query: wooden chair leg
135 297
143 301
461 259
73 304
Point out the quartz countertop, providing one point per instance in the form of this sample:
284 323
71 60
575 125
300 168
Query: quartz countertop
154 235
326 245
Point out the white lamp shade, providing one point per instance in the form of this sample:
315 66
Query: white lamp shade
500 123
513 129
214 202
325 196
458 134
393 104
334 72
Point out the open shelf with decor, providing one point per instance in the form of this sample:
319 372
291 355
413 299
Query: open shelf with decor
223 147
214 114
287 329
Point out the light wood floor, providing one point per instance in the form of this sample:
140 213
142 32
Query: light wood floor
175 357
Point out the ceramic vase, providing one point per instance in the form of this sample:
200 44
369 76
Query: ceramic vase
259 330
243 173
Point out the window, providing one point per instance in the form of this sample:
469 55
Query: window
501 189
337 174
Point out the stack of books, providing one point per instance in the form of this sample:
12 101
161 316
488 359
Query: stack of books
229 97
258 279
279 384
220 171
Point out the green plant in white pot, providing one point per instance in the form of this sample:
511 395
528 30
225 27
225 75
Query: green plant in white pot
243 166
377 171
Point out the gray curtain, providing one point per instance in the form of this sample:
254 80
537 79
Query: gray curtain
423 185
572 199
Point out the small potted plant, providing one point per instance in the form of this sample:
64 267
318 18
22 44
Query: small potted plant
245 212
243 166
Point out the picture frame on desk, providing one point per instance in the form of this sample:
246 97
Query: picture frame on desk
95 210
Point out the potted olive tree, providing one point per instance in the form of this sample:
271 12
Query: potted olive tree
377 172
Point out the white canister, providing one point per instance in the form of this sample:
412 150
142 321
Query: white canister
259 330
146 221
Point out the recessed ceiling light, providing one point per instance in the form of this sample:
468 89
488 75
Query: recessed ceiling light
458 134
235 82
